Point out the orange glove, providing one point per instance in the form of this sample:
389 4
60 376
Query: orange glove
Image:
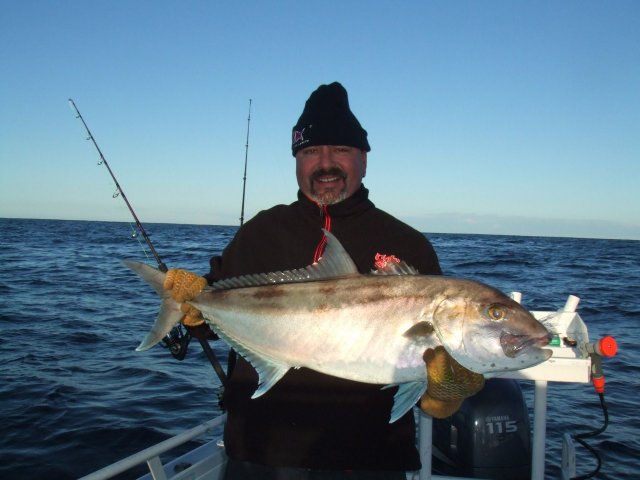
185 286
449 383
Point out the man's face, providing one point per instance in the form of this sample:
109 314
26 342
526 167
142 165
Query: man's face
329 174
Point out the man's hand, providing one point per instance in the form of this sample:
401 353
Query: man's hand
185 286
449 383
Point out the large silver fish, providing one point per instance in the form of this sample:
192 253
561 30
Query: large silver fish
369 328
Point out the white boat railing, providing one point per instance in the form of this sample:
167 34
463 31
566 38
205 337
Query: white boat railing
152 454
160 471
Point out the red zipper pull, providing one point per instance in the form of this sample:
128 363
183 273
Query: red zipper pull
324 212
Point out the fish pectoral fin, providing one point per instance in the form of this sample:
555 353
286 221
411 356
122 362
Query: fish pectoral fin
405 398
168 316
268 375
419 331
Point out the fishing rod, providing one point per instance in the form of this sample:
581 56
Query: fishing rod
176 340
232 357
119 190
246 155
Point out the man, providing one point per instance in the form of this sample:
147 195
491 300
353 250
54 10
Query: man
311 421
311 425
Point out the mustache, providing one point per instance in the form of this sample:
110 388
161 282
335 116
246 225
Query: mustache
334 171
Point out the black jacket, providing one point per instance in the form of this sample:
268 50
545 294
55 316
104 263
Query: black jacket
309 419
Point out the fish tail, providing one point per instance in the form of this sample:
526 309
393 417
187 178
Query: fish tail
149 274
170 312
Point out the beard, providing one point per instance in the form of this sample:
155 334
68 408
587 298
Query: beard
330 196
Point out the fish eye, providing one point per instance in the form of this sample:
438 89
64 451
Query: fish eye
495 313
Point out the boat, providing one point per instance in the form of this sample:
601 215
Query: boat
441 443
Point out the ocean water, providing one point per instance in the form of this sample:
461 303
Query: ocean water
75 396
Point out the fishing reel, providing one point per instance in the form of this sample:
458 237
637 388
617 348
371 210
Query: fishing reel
177 342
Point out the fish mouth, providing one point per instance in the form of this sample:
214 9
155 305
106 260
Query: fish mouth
514 345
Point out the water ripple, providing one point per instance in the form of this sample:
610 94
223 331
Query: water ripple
75 395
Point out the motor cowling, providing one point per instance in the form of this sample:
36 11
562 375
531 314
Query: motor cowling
489 437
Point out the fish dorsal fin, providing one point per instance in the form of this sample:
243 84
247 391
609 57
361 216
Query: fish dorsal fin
335 262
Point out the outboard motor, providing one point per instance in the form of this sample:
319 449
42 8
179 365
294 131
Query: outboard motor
489 437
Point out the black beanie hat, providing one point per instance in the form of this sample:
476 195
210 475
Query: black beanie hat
327 120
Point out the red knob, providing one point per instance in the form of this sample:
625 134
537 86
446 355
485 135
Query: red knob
607 346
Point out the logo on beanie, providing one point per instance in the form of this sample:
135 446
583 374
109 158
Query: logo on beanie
298 138
298 135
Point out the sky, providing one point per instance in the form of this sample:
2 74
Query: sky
492 117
